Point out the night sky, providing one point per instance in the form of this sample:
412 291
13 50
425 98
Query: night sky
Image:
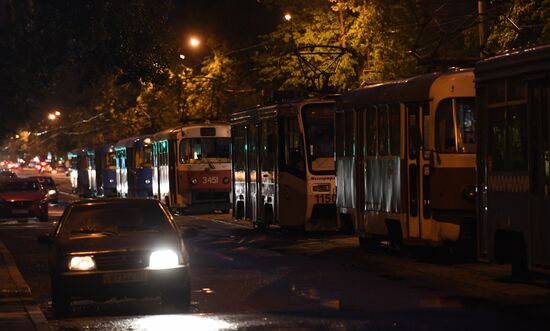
237 23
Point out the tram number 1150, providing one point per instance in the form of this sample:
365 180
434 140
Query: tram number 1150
326 198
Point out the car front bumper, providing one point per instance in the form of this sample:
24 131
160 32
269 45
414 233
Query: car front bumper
132 283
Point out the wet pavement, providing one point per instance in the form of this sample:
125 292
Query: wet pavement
248 280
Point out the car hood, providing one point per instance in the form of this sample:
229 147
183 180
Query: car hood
21 196
123 242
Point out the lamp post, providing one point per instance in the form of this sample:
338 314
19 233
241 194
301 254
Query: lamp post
216 81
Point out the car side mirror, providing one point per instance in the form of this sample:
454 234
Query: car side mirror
45 239
187 233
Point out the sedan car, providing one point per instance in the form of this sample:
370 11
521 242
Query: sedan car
7 175
22 197
49 187
117 248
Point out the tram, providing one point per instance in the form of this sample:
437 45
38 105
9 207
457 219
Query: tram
105 167
513 96
192 167
83 174
134 167
283 165
405 161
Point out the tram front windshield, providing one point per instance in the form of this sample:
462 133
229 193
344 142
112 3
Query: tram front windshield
318 120
205 150
455 126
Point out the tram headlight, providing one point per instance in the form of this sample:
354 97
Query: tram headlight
226 180
194 181
469 193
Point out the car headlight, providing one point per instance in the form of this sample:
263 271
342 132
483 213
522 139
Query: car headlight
82 263
163 259
51 192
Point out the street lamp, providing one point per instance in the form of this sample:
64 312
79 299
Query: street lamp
51 116
288 17
194 42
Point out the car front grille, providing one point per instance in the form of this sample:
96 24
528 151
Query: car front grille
122 260
21 204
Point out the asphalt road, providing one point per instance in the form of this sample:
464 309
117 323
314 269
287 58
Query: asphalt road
242 279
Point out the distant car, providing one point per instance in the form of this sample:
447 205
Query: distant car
49 187
22 197
118 248
7 175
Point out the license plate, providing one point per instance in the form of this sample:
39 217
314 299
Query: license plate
125 277
20 212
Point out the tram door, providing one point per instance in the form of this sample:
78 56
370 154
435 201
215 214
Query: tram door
418 170
540 175
267 156
252 174
172 159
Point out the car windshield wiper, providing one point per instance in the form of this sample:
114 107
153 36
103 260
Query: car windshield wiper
85 231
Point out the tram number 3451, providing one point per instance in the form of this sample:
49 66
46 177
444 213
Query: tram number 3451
325 198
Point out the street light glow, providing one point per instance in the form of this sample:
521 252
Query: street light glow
57 113
194 42
288 17
182 56
51 116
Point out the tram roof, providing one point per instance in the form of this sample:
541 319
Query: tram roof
172 132
414 89
532 60
273 109
104 148
132 141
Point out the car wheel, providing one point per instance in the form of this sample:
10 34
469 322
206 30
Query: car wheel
61 302
43 217
180 298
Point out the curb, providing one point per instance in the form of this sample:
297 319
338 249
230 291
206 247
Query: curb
35 314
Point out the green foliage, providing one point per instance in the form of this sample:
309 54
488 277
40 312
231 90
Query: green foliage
518 23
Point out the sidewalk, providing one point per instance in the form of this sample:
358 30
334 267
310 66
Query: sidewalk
18 311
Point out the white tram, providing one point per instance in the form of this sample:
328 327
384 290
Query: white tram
405 160
283 165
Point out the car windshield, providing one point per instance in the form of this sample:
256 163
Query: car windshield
18 186
114 219
46 181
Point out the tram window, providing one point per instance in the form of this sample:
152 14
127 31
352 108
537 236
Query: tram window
515 89
413 130
294 158
350 134
318 123
496 91
383 131
340 133
238 148
508 138
110 159
371 133
445 138
465 113
147 157
395 130
457 112
267 152
205 150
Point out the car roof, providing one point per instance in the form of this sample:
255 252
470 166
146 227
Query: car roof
114 201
